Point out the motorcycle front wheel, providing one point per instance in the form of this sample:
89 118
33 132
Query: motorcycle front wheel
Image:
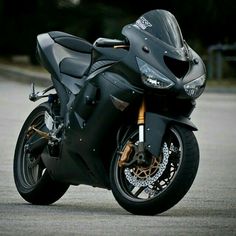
154 188
32 179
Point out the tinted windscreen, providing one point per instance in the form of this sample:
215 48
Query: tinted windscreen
162 25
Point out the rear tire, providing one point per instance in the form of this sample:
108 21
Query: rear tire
168 178
32 179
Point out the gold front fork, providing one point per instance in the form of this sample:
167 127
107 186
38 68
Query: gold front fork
141 114
130 146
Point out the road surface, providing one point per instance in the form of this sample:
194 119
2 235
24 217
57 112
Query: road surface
209 208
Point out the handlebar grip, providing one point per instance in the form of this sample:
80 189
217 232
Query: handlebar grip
106 42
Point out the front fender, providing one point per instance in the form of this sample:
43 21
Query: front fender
155 127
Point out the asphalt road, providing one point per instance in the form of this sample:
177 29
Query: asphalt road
209 208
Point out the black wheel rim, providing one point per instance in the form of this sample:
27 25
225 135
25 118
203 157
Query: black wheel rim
30 167
133 186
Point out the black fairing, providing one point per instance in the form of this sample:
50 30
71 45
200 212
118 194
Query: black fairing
101 90
162 25
90 137
156 39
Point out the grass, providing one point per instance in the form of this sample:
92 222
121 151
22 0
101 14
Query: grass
225 82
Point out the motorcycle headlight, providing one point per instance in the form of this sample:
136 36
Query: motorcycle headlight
195 88
152 77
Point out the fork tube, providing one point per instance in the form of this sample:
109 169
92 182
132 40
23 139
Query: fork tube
141 121
141 133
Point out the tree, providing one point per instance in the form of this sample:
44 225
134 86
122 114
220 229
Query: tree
203 22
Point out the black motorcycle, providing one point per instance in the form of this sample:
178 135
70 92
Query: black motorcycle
118 117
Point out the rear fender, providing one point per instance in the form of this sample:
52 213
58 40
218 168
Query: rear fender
155 127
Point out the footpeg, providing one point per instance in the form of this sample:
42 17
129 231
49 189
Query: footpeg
34 96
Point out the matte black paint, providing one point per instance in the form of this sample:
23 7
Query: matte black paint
89 84
155 127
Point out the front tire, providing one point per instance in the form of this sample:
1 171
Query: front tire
32 179
153 189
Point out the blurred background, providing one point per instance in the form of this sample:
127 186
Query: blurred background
207 26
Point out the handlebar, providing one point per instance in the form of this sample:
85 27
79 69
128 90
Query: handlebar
116 43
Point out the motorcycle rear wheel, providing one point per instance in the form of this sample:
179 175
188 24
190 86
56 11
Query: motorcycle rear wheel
32 179
153 189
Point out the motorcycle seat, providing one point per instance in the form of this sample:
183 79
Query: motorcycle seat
72 42
75 67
